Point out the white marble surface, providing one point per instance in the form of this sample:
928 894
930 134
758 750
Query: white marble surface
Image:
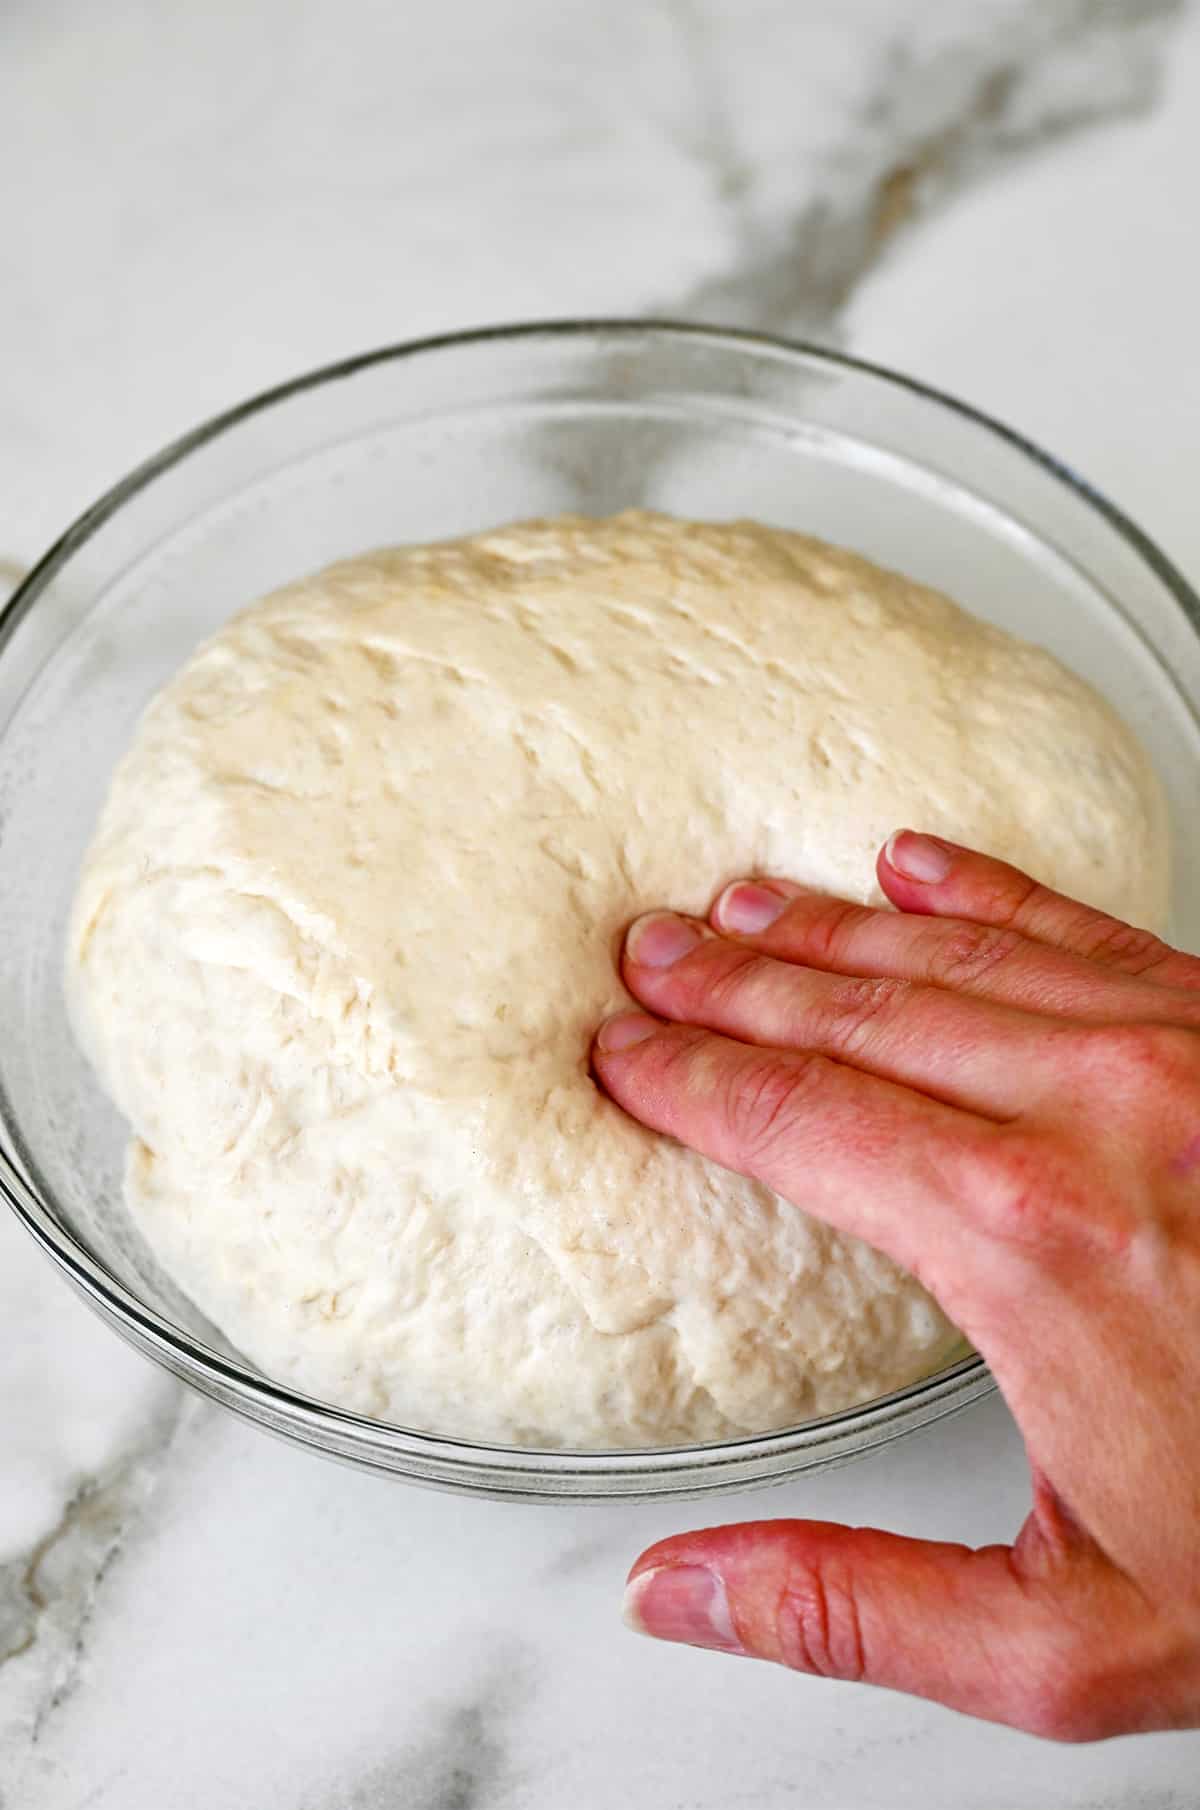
196 201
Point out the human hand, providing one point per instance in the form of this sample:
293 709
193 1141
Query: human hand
1000 1088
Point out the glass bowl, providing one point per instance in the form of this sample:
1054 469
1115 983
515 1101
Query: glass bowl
443 438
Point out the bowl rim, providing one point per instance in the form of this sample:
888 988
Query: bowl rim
956 1384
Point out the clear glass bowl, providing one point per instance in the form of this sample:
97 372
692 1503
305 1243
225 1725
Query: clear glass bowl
443 438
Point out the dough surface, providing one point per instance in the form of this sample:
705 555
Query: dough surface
349 922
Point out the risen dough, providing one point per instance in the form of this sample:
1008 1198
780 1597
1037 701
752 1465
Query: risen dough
350 917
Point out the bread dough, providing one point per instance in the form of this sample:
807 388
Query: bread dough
350 918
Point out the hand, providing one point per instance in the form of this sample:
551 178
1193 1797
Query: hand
1000 1088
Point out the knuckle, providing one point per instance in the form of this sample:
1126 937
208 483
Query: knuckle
732 978
1157 1058
848 1018
677 1069
1109 940
827 935
1038 1198
1023 1192
969 951
819 1626
765 1100
1013 902
1064 1703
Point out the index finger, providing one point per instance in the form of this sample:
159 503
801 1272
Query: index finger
927 875
872 1158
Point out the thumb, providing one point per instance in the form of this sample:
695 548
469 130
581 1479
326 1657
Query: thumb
963 1627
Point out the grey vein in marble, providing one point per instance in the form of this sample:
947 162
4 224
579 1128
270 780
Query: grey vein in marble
1067 65
48 1597
464 1761
927 119
582 1555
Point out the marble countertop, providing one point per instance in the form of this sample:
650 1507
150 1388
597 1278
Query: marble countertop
199 201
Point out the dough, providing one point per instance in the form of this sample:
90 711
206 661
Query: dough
350 917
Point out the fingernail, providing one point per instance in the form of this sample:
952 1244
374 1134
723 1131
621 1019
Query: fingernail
921 858
660 939
748 908
623 1031
685 1603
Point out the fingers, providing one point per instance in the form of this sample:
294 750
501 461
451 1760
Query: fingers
924 874
870 1157
967 1052
967 1629
976 959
